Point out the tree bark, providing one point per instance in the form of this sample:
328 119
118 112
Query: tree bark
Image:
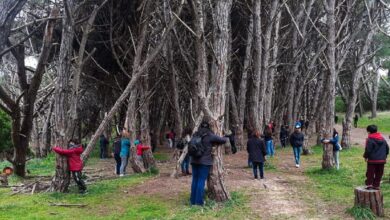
61 179
215 183
372 199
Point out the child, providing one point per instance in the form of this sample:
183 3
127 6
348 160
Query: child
336 147
140 149
257 152
269 143
375 155
296 141
116 150
74 162
125 152
283 136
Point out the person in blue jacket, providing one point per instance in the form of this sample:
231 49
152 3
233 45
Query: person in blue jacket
125 152
336 147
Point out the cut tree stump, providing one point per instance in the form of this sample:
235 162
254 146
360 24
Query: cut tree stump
372 199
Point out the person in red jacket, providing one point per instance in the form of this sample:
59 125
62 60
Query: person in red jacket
140 149
74 162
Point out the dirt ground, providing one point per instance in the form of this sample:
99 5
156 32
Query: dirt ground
280 196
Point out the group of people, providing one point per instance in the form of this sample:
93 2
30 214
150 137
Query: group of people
258 147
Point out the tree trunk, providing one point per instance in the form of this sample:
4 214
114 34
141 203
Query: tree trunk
242 93
371 199
61 179
330 84
46 134
254 107
215 183
375 90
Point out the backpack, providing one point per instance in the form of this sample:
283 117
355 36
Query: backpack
195 147
181 144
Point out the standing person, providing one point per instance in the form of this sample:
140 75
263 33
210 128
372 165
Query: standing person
201 165
269 141
375 154
74 162
232 139
296 141
153 141
125 152
171 138
185 170
336 147
355 121
103 146
336 119
116 151
283 136
257 152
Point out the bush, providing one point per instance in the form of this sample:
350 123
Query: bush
340 105
5 132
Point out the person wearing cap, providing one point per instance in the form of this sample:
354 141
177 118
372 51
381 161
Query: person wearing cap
296 141
201 165
75 163
125 152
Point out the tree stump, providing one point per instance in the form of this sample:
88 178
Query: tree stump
372 199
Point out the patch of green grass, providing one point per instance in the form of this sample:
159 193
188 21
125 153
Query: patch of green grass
337 186
382 121
361 213
160 156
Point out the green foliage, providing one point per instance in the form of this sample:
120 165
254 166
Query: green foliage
361 213
382 121
340 105
5 132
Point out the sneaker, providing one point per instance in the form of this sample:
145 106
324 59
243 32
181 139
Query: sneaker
369 187
297 165
122 175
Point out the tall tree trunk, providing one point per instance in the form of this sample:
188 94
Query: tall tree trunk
254 108
215 183
330 83
242 93
61 178
375 90
46 134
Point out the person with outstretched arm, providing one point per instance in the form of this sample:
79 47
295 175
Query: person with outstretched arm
201 165
75 163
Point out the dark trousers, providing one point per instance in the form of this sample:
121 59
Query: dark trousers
80 183
118 163
374 174
199 177
283 141
185 165
102 152
260 166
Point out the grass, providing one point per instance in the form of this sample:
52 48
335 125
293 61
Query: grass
382 121
336 186
361 213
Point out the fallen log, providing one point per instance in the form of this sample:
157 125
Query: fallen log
68 205
370 198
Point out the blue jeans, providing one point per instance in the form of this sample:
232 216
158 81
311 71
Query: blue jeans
259 165
270 148
249 162
297 154
185 165
199 177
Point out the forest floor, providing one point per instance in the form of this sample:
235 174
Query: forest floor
286 193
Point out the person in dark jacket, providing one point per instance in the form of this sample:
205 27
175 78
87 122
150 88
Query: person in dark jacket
74 162
336 147
296 141
283 136
103 146
257 152
201 166
116 151
355 121
375 154
232 139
